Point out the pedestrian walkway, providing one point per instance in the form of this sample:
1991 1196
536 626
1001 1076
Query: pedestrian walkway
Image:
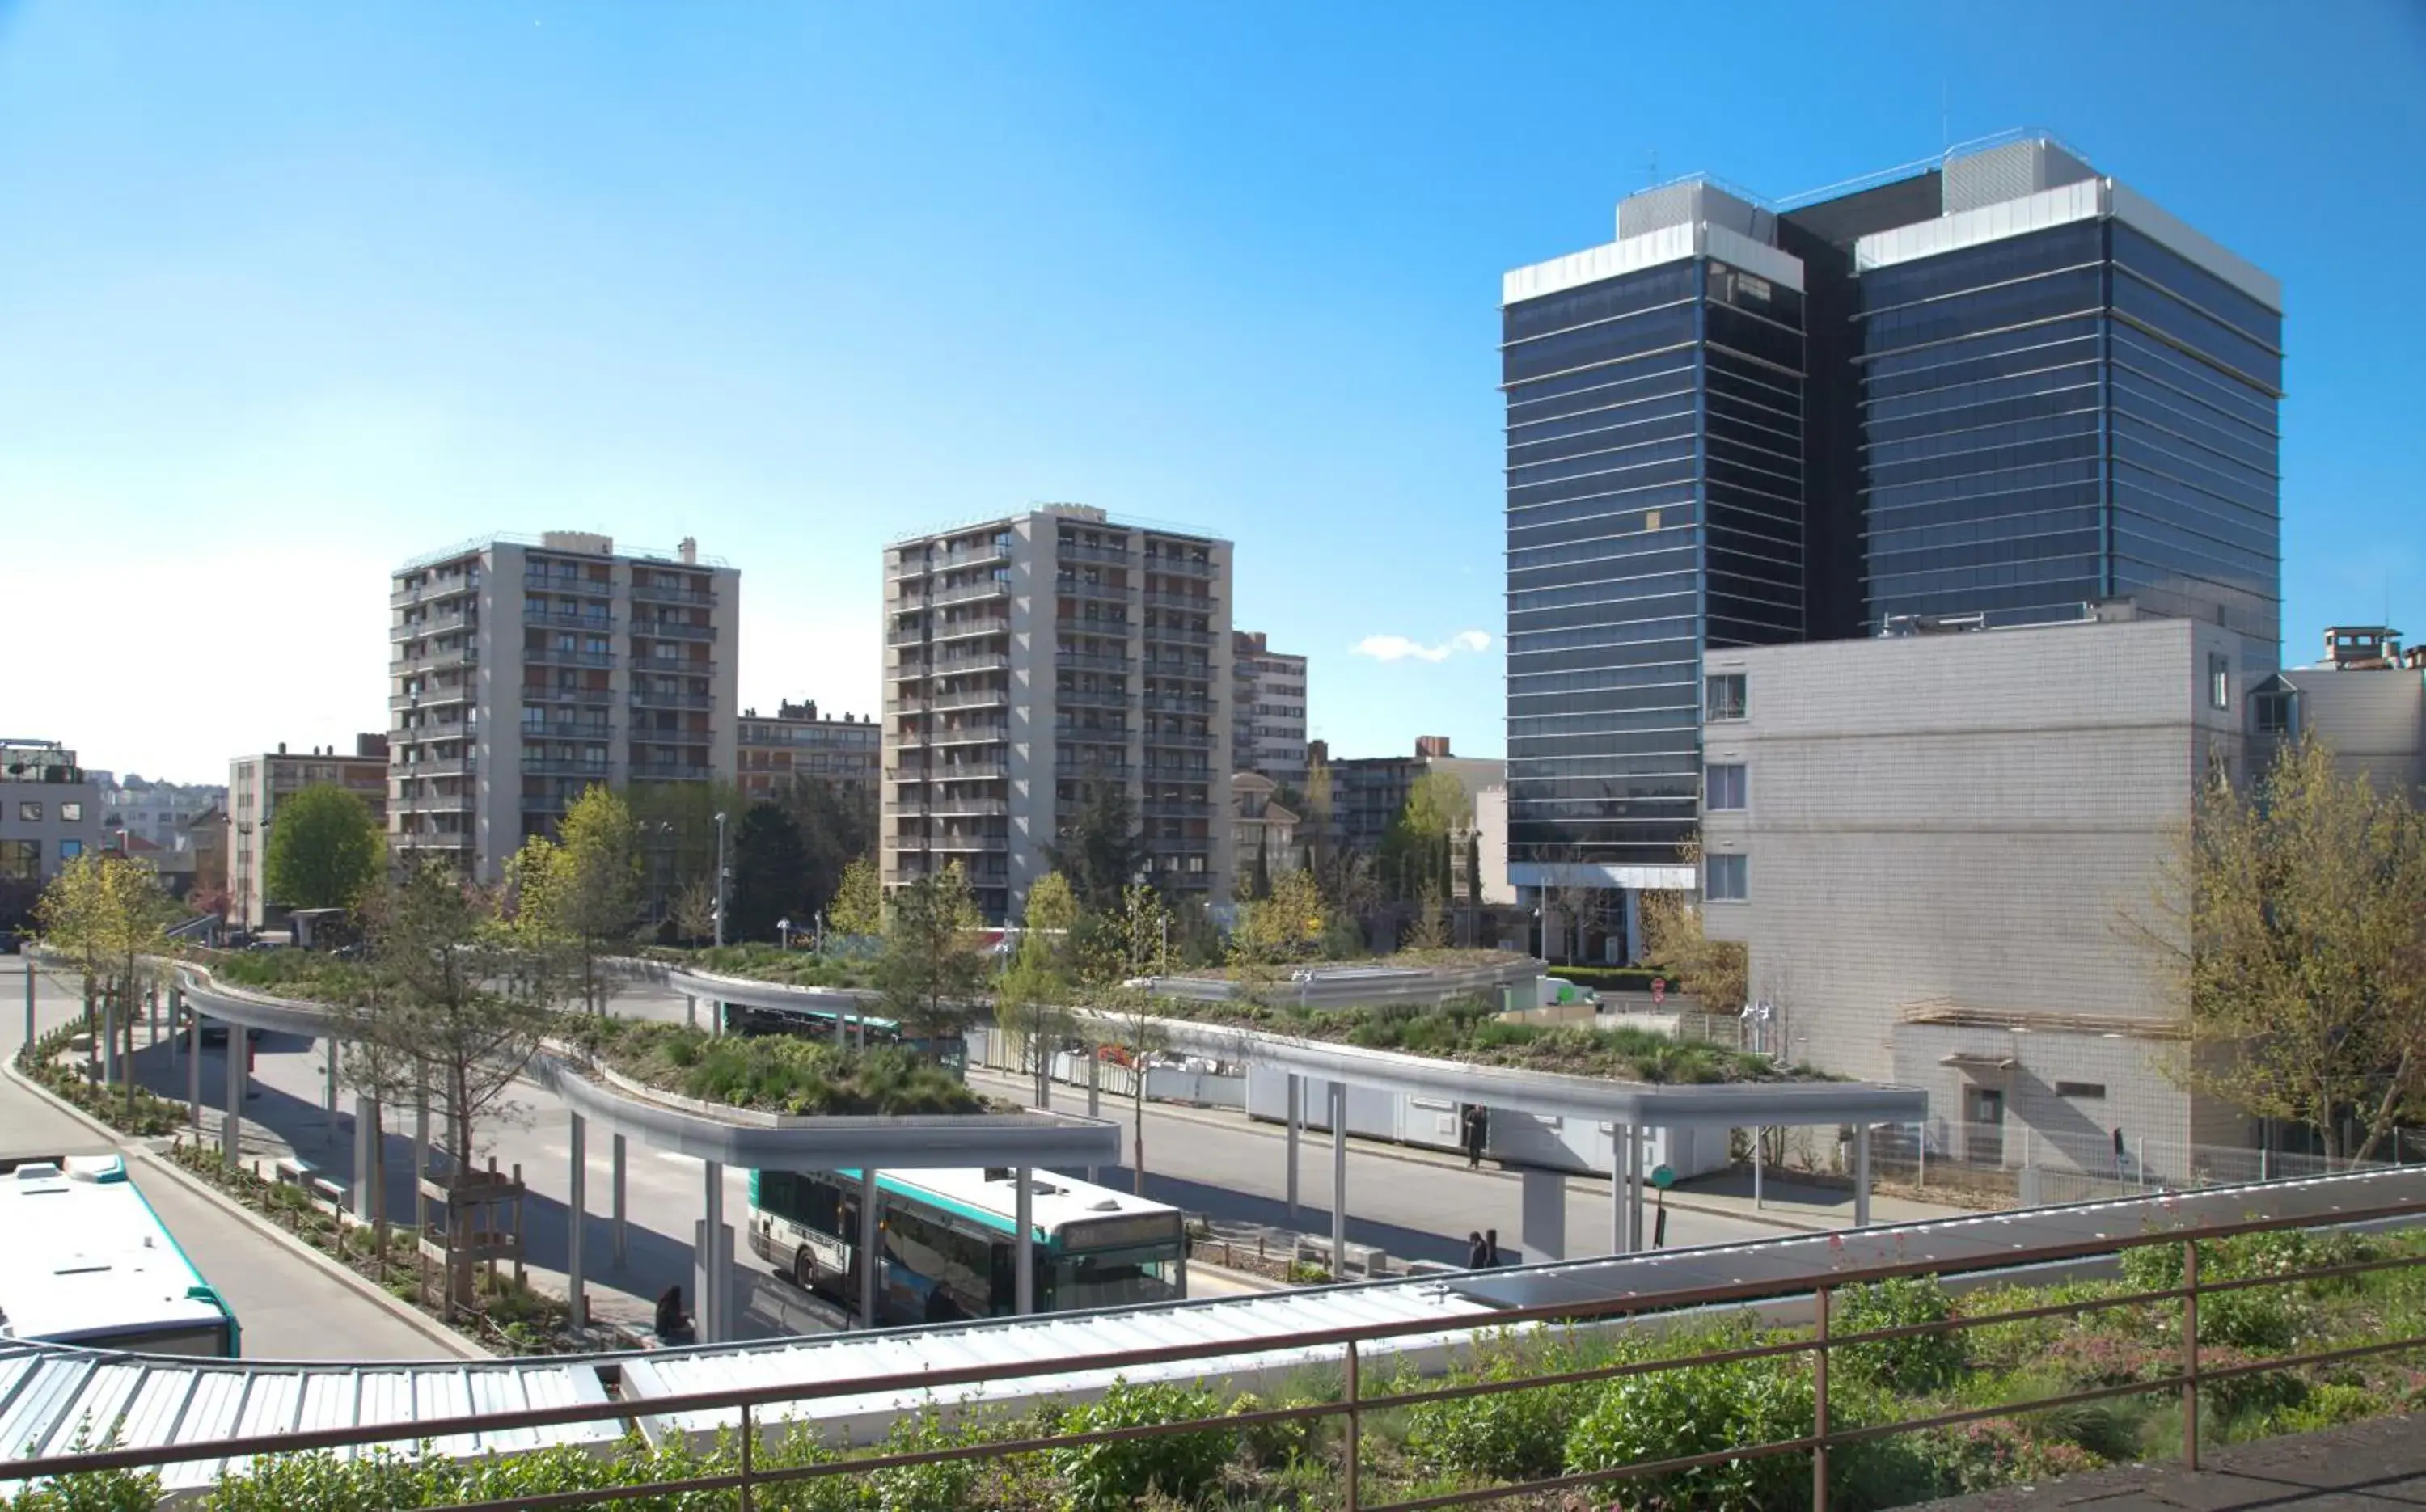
2378 1464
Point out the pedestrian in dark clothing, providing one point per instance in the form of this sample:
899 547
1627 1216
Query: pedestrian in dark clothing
1478 1254
1491 1247
943 1306
673 1324
1477 1130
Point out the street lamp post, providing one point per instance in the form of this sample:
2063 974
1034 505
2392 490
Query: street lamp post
720 881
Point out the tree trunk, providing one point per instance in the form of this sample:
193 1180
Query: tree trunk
1136 1164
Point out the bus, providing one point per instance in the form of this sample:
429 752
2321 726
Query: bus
947 1241
840 1023
88 1263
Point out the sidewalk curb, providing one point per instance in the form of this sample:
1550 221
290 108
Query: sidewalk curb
1766 1217
428 1327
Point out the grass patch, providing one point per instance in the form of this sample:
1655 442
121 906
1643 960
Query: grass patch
775 1073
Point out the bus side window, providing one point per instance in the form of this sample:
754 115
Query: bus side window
821 1208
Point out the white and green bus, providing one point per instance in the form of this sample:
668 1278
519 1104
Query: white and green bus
88 1262
948 1239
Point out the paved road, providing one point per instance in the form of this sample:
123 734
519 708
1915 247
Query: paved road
1208 1163
290 1307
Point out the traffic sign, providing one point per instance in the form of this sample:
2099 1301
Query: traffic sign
1658 991
1662 1178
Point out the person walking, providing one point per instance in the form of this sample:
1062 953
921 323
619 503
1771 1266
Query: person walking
1478 1254
1491 1247
1477 1130
673 1324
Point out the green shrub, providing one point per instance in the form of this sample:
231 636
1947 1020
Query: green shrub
1702 1409
943 1486
1990 1453
1508 1436
1914 1363
1119 1474
2330 1407
1273 1445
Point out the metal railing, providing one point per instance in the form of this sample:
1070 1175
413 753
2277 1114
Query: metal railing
565 656
652 593
2018 1165
670 630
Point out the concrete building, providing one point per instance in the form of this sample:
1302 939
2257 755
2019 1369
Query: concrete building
1932 846
2366 700
799 742
258 784
50 812
1033 655
1262 827
1267 710
1999 387
529 668
157 812
1367 792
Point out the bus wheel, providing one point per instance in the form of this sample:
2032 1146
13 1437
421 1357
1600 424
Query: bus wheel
804 1270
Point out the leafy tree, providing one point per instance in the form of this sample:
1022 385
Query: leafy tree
692 909
1102 851
769 873
1031 1008
1717 973
436 1027
1414 856
108 911
580 893
858 906
1287 926
932 970
1474 886
838 826
675 822
1138 934
325 850
2288 930
1261 886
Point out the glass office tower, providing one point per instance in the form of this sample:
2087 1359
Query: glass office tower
1655 507
1997 386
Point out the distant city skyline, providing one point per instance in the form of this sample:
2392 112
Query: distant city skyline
294 294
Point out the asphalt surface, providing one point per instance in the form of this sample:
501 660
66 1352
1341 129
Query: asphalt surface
288 1307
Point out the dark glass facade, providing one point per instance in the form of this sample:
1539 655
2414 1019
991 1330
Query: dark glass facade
1655 507
2065 416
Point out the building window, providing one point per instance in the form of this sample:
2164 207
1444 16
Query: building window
2090 1091
21 859
1722 697
70 849
74 813
2219 680
2276 714
1724 878
29 812
1723 786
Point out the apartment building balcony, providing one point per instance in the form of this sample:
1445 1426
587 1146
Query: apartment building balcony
972 628
596 624
542 693
1177 844
965 698
920 565
671 772
961 593
1072 624
653 594
1193 602
947 806
965 735
462 619
1179 739
560 656
556 584
1190 566
1072 551
645 667
1178 634
565 729
1070 764
1176 808
1093 697
655 698
1181 671
1067 731
439 593
564 766
1068 588
460 764
670 629
963 771
1085 661
963 845
1179 702
437 661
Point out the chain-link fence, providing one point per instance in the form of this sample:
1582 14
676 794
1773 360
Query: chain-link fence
2029 1168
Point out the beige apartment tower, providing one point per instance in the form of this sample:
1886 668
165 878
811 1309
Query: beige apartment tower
526 669
1031 655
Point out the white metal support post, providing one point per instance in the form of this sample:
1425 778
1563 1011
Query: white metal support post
367 1147
1861 1176
1634 1188
1338 1180
1094 1097
1759 1132
705 1253
616 1165
329 1095
30 1035
576 1211
235 1120
1621 1238
870 1259
194 1072
1296 1120
1024 1248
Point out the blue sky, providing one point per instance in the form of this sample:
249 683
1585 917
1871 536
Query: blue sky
289 293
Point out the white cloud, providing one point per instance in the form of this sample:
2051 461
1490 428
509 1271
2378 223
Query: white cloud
1399 648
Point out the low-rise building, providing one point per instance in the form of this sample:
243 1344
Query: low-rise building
157 812
50 812
1263 831
2366 700
1368 792
258 784
800 742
